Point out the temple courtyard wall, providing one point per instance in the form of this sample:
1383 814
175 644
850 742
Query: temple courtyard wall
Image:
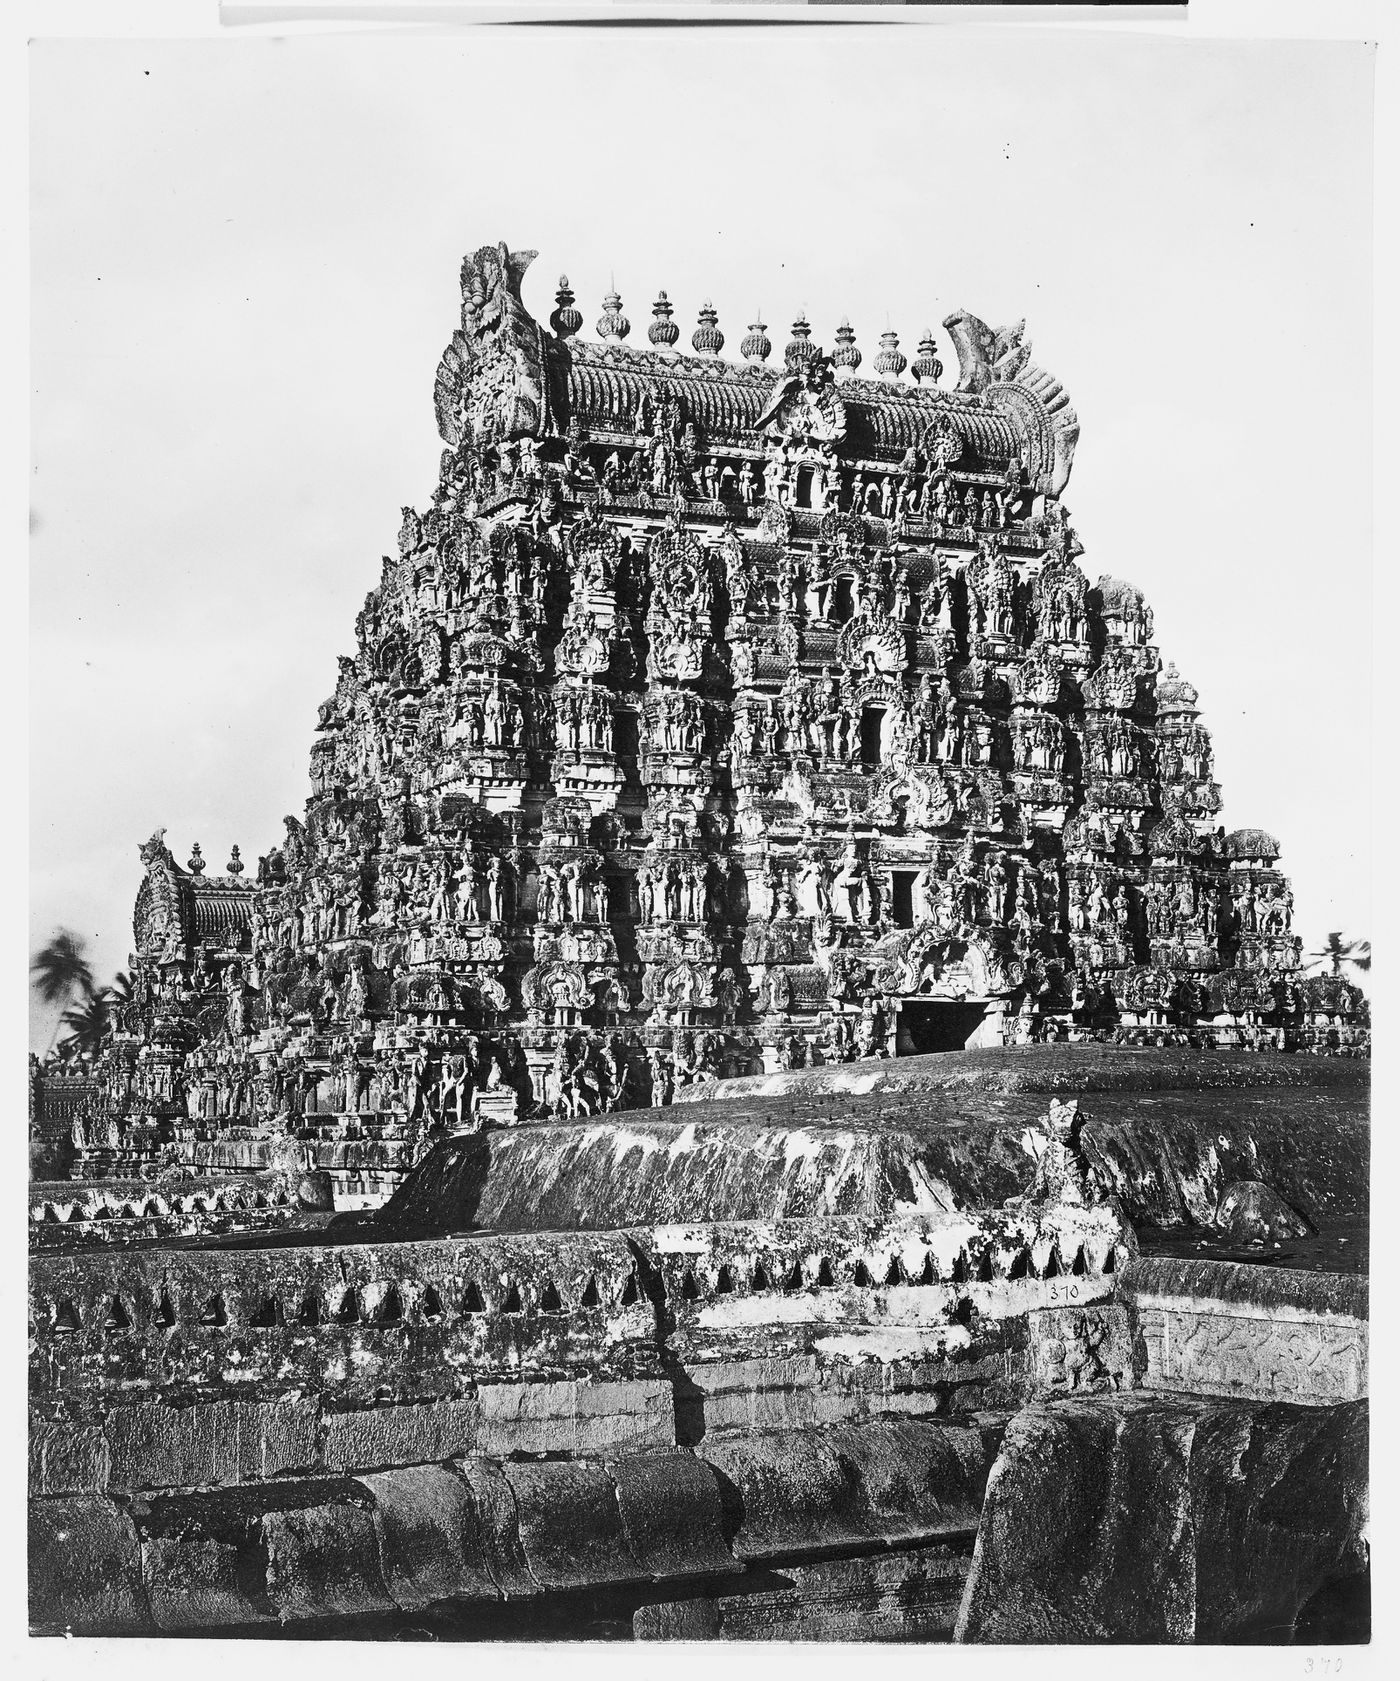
933 1364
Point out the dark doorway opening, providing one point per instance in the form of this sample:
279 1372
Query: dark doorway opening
842 604
625 734
902 898
936 1024
871 728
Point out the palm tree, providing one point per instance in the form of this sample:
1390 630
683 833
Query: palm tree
1336 951
61 972
87 1024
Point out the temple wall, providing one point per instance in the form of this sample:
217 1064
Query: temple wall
1167 1155
1300 1337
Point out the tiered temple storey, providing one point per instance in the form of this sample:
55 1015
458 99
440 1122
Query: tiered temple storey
714 717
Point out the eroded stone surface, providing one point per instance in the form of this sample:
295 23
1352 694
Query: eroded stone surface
1167 1154
1164 1520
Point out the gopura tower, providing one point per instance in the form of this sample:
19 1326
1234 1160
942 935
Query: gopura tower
714 716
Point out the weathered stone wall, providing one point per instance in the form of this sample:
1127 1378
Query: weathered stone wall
68 1215
1214 1329
1150 1519
1167 1155
773 1426
479 1529
1050 1070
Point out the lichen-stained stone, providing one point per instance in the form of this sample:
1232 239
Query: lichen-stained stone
570 1524
1088 1349
200 1581
1134 1518
68 1459
154 1444
157 1445
671 1514
498 1524
1165 1152
577 1417
1084 1533
368 1438
1257 1333
1169 1157
792 1492
720 1163
1047 1070
910 1595
625 1415
1252 1212
1279 1506
85 1568
277 1438
415 1321
430 1542
323 1561
677 1619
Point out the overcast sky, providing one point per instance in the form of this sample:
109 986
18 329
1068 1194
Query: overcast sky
245 261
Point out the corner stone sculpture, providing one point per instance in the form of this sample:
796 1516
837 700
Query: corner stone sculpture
712 719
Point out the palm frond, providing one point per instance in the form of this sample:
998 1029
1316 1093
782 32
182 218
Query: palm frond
60 969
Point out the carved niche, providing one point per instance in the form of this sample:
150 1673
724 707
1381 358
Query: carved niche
872 640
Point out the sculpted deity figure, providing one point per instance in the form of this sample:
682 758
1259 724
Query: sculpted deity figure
925 894
773 878
547 900
1155 898
574 891
466 906
902 734
870 1029
815 878
779 991
744 731
737 579
997 884
967 883
853 886
949 733
440 903
495 889
662 1085
356 996
494 717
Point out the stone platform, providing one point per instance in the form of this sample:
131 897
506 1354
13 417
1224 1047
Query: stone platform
1164 1131
832 1401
